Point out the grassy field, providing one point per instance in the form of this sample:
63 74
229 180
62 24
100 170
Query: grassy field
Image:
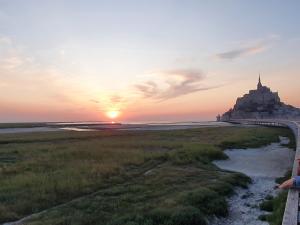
122 177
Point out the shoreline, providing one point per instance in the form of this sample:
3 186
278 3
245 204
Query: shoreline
113 126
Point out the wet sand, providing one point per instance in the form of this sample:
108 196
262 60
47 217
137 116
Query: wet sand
27 130
80 127
263 165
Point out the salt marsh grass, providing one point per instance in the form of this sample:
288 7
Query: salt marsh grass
137 177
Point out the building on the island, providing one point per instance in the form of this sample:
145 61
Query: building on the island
259 85
258 104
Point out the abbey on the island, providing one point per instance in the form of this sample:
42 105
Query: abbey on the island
261 103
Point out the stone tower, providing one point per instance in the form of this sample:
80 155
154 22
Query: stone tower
259 85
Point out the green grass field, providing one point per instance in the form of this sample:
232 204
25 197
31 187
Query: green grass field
122 177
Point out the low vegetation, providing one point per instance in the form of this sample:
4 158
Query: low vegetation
21 125
122 177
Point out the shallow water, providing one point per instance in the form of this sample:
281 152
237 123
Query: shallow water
27 130
76 129
99 126
263 165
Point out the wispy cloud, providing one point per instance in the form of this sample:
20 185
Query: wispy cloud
174 83
116 99
250 48
148 89
111 101
236 53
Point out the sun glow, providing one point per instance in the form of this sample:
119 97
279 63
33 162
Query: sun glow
113 114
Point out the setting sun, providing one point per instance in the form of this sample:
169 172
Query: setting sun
113 114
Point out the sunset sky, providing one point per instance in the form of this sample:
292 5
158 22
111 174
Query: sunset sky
143 60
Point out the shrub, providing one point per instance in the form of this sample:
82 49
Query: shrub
237 179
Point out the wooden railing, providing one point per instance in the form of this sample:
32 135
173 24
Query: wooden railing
291 212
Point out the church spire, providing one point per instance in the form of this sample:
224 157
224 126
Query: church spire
259 85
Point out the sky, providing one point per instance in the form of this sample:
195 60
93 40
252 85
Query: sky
138 60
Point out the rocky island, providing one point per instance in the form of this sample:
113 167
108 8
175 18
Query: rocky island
261 103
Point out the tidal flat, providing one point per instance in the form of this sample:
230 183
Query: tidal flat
116 177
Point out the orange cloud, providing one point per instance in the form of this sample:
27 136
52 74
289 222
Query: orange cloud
176 83
248 49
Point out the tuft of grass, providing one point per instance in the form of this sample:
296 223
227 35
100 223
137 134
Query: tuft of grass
267 205
237 179
207 201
